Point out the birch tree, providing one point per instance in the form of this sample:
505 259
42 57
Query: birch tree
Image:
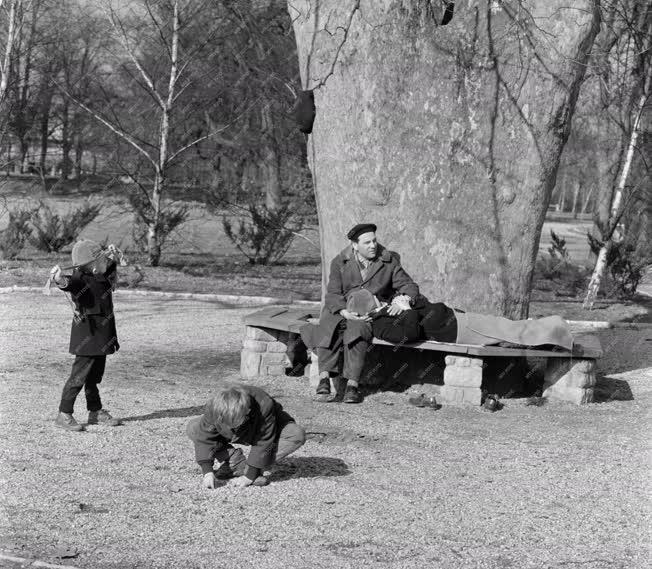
617 203
10 11
148 34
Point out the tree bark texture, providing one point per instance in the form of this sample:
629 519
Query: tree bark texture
153 227
447 137
270 166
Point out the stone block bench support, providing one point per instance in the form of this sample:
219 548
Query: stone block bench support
264 352
571 380
462 381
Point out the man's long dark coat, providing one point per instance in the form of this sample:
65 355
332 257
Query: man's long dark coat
385 279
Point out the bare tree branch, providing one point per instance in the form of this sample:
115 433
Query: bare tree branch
124 40
161 34
121 133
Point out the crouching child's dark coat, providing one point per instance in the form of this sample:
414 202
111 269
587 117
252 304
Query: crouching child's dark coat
93 331
260 430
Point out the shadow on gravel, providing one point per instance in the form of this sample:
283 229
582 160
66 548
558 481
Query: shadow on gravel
611 389
646 302
309 467
166 413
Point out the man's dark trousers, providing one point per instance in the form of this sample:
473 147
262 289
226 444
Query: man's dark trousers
354 352
87 372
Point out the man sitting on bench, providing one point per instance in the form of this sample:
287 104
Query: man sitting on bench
370 295
343 332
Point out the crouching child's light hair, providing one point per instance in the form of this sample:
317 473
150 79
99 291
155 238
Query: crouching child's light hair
231 404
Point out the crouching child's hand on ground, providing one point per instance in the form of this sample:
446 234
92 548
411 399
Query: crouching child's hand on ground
240 482
209 481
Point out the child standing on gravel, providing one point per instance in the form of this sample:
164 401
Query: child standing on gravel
247 415
93 335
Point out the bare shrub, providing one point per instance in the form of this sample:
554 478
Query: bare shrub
15 235
52 232
264 235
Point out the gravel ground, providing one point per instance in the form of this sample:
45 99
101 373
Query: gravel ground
382 484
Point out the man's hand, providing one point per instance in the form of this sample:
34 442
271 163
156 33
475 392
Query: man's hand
395 310
240 482
399 304
209 481
344 313
55 274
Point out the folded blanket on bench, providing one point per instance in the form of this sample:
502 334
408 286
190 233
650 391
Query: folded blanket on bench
486 330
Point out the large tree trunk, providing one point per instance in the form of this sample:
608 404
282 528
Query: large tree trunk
448 137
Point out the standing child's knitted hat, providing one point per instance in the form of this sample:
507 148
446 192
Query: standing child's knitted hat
85 251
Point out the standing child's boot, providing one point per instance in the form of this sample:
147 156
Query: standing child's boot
67 421
102 417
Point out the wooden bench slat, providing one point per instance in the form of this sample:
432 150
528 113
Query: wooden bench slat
497 351
280 318
590 343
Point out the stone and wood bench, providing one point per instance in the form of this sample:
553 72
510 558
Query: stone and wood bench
273 332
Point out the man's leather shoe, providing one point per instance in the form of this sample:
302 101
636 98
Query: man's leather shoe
67 421
339 383
260 481
352 395
324 387
102 417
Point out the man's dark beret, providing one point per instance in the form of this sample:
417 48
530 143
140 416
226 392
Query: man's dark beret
359 229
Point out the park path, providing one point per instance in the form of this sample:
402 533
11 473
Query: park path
376 485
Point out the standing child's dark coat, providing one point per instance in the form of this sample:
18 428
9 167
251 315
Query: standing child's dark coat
94 333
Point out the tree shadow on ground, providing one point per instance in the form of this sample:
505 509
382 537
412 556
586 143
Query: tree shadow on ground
175 363
646 318
309 467
166 413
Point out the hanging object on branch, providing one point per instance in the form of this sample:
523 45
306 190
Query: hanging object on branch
303 111
448 13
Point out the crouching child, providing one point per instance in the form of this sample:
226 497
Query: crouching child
245 415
